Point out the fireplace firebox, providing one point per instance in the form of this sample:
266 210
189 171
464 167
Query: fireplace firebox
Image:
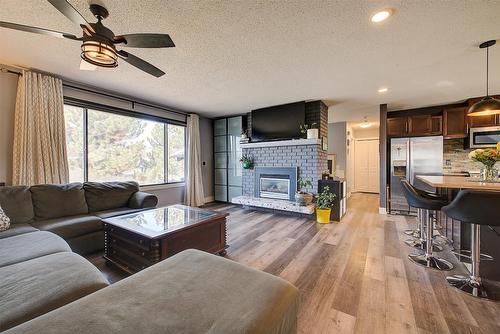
274 187
276 182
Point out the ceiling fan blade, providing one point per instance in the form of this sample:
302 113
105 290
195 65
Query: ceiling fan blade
85 66
70 12
145 40
36 30
141 64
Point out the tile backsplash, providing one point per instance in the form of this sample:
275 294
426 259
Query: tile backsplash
455 157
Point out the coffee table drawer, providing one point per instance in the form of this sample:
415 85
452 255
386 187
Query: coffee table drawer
130 237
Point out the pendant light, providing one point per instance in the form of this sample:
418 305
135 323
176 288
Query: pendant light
488 105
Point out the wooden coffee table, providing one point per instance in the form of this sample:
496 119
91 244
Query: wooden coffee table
139 240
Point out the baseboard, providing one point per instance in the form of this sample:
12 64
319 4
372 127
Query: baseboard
382 211
209 199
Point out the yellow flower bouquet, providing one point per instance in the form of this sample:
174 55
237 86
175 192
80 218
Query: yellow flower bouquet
488 157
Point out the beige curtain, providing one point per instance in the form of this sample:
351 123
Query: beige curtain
194 182
39 134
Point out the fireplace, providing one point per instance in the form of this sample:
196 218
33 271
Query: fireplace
274 186
276 182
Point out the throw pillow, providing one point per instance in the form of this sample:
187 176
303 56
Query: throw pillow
4 220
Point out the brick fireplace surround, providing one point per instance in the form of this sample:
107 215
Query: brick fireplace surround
305 154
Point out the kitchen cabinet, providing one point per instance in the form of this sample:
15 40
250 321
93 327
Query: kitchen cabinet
480 121
419 125
422 125
455 122
397 126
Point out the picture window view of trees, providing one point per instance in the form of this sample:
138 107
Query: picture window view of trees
121 148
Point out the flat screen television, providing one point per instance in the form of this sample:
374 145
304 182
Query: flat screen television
279 122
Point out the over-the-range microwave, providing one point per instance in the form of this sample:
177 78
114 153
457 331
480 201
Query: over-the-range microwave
484 137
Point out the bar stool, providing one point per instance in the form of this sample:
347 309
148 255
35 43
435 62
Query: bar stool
476 208
420 238
427 205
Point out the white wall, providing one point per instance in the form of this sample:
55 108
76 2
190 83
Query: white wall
167 195
8 88
337 146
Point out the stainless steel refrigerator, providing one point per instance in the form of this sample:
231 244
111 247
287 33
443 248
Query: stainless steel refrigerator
411 157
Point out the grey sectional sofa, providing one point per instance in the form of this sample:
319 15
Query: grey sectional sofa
46 288
73 211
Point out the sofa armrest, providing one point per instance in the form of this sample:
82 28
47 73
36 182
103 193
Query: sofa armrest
142 200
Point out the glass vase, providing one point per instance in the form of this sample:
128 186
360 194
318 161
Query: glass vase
489 173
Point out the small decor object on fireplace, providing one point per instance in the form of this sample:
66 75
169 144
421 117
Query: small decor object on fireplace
309 131
246 162
303 198
324 204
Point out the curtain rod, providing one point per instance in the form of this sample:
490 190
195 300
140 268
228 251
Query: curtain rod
127 100
4 70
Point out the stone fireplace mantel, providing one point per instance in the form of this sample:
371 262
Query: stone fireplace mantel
293 142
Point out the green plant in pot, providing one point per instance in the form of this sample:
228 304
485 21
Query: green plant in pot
246 162
302 197
324 204
309 131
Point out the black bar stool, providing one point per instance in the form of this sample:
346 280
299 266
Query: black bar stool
476 208
427 205
420 238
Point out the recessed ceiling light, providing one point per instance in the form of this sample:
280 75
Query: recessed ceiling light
365 123
383 90
381 15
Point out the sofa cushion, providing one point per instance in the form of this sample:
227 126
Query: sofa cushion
4 221
16 229
114 212
109 195
28 246
58 200
196 292
34 287
70 227
16 202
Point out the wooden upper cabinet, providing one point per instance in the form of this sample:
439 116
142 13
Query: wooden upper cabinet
397 126
420 125
455 122
480 121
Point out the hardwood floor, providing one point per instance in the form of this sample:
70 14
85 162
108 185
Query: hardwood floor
354 277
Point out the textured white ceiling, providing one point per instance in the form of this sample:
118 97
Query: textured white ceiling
234 56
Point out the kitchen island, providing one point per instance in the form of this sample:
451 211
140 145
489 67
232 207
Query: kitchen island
460 233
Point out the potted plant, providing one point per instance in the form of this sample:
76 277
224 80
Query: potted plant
488 157
309 131
244 134
301 197
246 161
324 204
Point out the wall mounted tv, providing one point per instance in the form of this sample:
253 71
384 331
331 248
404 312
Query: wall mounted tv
279 122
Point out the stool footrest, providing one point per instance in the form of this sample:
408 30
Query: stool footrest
466 255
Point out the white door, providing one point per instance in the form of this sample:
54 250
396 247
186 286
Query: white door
366 165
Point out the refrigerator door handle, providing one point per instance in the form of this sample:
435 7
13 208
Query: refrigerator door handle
408 161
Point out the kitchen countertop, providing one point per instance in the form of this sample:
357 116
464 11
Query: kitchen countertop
458 182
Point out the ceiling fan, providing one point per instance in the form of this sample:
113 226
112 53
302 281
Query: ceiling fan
99 42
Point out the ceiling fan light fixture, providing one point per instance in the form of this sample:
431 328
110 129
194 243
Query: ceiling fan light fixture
99 54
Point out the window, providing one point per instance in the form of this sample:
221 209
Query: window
104 146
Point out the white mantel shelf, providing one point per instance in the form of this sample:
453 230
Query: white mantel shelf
293 142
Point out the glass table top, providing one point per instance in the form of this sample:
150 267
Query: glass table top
160 221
